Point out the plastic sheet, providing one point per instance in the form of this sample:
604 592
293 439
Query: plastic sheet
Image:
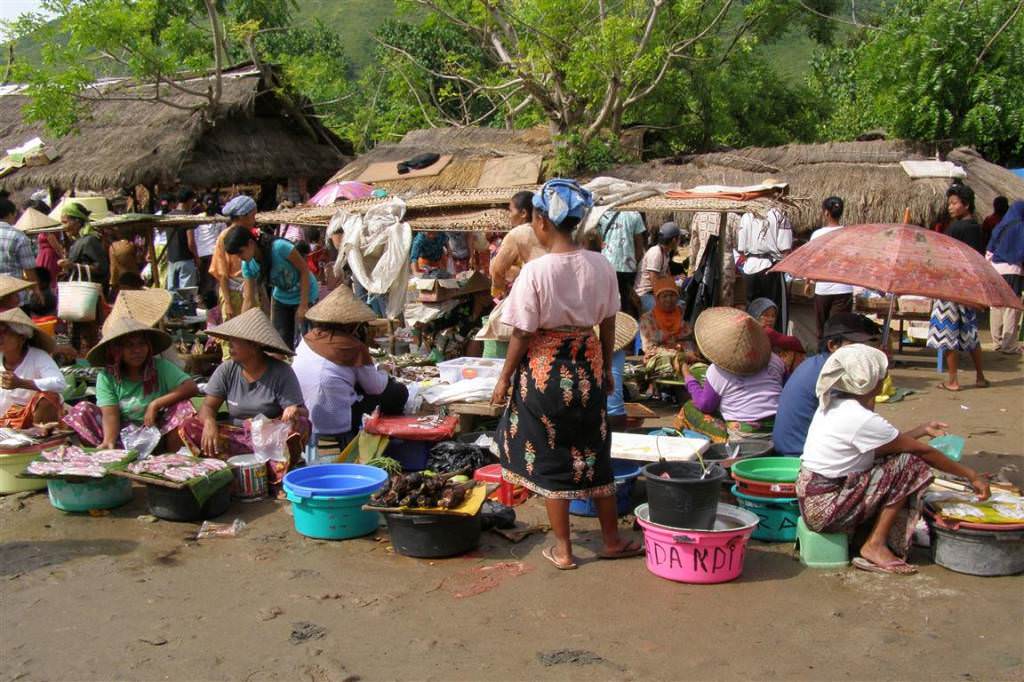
141 439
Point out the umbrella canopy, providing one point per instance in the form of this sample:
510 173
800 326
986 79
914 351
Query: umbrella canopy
333 191
902 259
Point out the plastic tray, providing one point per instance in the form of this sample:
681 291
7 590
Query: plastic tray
458 369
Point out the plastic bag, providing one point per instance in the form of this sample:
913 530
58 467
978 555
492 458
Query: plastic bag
496 515
450 457
141 439
210 529
269 438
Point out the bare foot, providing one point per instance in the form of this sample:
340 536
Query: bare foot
881 555
982 382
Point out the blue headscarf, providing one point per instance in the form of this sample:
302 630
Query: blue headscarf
1007 242
759 306
560 199
239 206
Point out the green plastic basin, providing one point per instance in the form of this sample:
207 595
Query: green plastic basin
768 469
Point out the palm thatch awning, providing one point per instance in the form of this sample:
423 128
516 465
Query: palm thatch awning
471 149
257 135
867 175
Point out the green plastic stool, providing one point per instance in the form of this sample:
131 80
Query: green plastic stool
822 550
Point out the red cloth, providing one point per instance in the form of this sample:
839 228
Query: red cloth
411 428
781 341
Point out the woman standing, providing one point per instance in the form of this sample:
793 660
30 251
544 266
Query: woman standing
954 326
1006 253
271 259
86 256
553 437
50 249
226 269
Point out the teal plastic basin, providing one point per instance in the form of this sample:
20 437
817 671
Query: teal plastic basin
104 493
779 516
768 469
332 518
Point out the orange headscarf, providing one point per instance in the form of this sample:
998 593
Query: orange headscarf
671 322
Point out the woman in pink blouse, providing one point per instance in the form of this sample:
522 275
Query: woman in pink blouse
553 437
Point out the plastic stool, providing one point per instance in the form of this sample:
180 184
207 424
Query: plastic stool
822 550
507 494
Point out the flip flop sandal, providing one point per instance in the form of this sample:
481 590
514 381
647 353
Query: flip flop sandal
549 554
945 387
632 549
982 384
886 568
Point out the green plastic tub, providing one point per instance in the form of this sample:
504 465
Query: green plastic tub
768 469
108 492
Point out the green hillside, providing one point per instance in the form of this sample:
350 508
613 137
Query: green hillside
355 20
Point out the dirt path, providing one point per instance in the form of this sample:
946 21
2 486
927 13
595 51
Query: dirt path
118 598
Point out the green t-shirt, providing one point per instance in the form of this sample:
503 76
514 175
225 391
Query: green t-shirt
128 396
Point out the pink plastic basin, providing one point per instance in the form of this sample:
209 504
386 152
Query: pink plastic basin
698 556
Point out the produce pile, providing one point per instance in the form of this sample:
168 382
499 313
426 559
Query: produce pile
70 460
423 489
177 468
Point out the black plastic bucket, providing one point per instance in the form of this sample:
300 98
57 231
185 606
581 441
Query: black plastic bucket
173 504
684 499
431 536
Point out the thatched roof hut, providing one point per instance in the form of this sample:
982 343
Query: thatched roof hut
867 175
257 135
473 150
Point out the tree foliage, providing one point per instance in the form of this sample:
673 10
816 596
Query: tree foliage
936 70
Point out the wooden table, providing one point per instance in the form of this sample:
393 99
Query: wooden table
468 412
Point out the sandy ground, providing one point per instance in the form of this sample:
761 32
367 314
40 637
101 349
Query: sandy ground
115 597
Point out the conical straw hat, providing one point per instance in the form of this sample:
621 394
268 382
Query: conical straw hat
32 219
40 339
733 340
340 307
12 285
147 306
120 328
252 326
625 331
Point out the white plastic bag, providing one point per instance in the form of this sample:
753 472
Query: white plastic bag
141 439
269 438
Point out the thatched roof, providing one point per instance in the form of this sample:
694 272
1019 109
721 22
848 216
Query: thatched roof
470 148
256 136
866 174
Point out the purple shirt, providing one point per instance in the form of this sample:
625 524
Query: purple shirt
739 398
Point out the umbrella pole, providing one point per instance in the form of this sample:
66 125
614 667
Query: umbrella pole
888 323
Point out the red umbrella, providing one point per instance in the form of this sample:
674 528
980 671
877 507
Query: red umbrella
902 259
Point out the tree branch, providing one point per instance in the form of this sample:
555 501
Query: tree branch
848 22
984 51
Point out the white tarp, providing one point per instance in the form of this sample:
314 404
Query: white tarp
933 169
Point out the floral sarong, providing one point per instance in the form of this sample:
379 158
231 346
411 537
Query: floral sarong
553 437
86 420
720 430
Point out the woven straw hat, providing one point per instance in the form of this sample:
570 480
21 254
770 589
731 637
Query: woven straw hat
340 307
32 219
733 340
12 285
40 339
625 331
255 327
121 327
147 306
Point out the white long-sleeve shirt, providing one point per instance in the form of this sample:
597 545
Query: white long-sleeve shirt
39 367
329 390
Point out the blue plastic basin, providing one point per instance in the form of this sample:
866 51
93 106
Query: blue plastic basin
104 493
626 473
334 480
327 499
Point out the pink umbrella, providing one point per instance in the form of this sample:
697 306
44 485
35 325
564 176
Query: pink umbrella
333 191
902 259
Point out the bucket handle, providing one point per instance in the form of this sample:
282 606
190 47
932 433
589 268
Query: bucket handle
685 539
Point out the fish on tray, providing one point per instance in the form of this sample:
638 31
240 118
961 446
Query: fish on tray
178 468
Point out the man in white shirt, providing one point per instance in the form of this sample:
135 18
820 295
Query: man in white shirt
763 242
830 297
206 240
